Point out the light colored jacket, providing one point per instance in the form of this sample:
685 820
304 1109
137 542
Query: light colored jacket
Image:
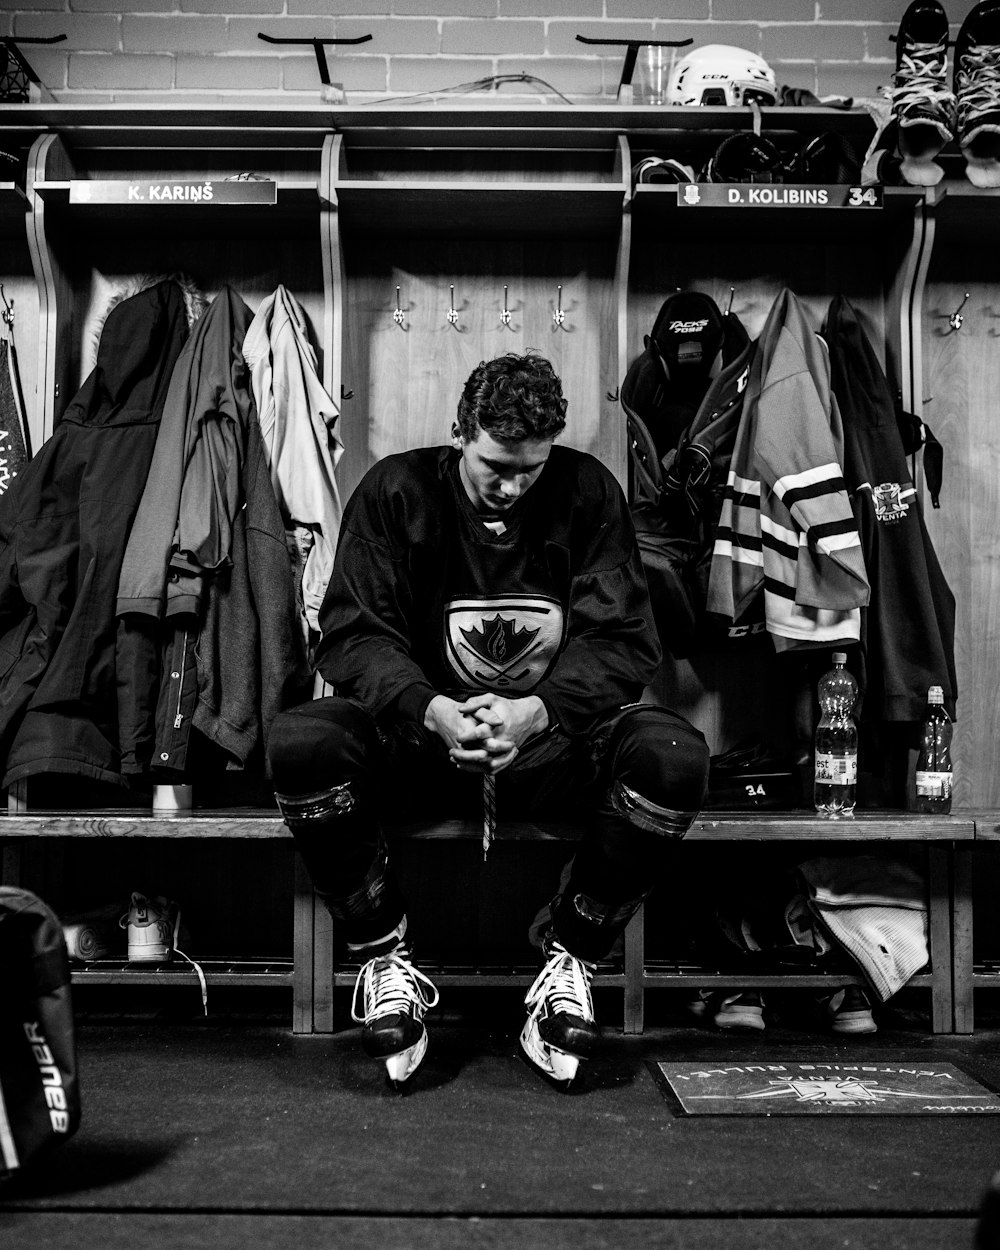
297 418
786 523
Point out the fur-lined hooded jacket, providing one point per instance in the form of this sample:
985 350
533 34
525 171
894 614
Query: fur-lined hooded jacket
63 529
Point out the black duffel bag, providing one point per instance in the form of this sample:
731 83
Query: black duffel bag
39 1087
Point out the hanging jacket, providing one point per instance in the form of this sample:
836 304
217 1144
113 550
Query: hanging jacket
183 529
251 658
908 628
64 525
297 419
786 521
191 650
678 496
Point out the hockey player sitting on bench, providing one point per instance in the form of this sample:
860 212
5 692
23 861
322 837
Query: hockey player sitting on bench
487 614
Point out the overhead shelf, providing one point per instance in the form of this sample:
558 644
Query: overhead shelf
447 124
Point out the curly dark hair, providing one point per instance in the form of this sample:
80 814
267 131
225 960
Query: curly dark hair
512 398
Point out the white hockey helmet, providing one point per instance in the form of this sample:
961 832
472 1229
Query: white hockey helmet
720 75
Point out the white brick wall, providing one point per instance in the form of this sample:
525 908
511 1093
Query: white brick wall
208 49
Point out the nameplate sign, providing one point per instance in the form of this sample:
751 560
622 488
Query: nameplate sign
775 195
94 191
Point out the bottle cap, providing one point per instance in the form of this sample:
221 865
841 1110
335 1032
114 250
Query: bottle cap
935 694
840 657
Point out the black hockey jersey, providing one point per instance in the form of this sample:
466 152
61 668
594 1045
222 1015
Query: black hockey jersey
682 404
425 599
908 628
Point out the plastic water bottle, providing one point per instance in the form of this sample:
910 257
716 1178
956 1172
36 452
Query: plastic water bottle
836 775
934 761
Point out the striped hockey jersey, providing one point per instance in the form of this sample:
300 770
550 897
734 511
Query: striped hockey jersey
786 524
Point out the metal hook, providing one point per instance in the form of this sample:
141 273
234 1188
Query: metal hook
453 311
956 318
559 317
397 315
8 308
505 315
729 306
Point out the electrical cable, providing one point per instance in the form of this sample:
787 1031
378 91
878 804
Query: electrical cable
479 84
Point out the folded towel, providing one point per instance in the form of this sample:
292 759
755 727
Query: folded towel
875 908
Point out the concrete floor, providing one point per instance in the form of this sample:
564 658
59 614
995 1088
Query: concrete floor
231 1132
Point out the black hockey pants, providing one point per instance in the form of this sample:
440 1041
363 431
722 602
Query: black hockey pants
635 784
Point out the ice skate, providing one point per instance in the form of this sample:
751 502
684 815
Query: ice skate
560 1029
394 995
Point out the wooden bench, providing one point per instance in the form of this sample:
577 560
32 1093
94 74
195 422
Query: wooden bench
312 977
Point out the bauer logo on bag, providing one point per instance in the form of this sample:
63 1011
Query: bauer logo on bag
51 1077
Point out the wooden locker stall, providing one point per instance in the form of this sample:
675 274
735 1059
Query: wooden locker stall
113 207
960 401
743 257
457 242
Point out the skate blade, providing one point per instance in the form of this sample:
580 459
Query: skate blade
557 1065
981 149
401 1066
984 172
920 173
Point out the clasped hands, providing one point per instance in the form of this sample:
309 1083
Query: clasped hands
484 734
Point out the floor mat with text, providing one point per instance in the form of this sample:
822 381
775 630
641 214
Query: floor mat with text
788 1087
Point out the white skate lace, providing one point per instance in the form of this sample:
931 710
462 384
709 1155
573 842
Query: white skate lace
563 985
921 78
978 82
390 985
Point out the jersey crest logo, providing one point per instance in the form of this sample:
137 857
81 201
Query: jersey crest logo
499 640
889 505
504 643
